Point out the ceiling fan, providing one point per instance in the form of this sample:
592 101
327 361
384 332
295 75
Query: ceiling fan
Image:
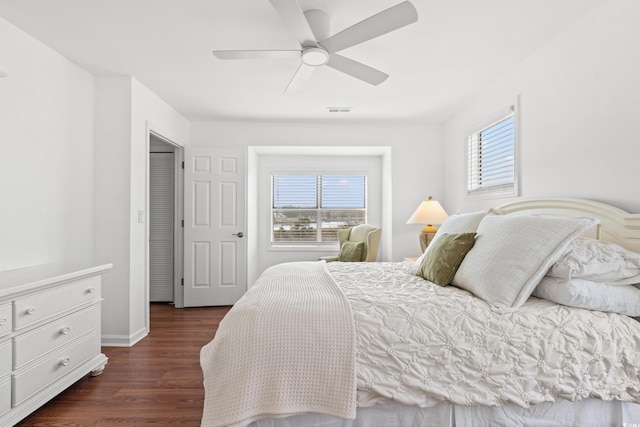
318 48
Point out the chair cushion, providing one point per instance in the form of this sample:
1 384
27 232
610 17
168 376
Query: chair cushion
351 251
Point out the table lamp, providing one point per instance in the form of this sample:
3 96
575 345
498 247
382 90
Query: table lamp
429 212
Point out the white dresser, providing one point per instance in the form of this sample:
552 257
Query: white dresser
49 334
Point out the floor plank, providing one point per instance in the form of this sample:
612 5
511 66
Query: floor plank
157 382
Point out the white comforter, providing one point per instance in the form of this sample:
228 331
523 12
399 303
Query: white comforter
415 343
420 344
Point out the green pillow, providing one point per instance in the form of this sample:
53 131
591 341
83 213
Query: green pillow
351 251
444 256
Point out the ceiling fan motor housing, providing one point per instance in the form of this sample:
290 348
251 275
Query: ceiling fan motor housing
319 23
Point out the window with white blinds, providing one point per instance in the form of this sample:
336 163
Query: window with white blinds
492 158
311 208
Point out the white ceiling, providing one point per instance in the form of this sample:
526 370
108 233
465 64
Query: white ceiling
455 47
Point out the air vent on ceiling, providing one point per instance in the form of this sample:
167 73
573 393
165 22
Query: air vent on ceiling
339 109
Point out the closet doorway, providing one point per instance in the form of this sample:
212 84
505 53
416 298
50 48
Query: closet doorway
162 220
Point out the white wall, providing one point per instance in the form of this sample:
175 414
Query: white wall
73 172
112 204
579 110
125 113
415 153
46 154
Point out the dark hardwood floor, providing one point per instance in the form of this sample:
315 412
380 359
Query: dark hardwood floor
157 382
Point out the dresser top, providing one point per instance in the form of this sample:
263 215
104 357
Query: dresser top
37 276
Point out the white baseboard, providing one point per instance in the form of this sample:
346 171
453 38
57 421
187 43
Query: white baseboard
123 340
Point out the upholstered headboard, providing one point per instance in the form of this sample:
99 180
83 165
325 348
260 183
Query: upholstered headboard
616 225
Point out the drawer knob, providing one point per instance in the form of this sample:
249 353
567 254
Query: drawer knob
65 361
65 330
91 290
3 320
30 311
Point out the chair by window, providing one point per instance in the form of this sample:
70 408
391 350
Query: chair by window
366 234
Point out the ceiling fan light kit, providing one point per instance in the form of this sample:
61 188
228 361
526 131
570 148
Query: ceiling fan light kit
311 29
315 56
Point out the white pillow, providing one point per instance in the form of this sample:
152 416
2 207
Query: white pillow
598 261
511 255
456 224
590 295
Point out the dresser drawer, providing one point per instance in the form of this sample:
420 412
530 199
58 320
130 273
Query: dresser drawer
42 306
48 337
36 378
6 325
5 358
5 394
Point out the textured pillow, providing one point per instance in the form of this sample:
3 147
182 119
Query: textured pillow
598 261
511 255
351 251
441 263
590 295
459 223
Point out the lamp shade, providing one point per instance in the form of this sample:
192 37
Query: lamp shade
429 212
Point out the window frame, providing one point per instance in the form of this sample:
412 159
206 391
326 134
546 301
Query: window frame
499 190
318 243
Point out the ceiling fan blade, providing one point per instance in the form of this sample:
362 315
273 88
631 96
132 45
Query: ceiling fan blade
293 17
384 22
302 75
357 69
256 54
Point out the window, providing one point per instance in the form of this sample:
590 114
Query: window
492 158
312 208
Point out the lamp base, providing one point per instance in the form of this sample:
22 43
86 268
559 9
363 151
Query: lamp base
426 236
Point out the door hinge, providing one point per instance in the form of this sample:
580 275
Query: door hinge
182 165
182 282
182 223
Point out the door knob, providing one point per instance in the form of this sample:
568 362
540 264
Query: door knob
240 234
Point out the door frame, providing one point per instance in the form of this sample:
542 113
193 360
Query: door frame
178 237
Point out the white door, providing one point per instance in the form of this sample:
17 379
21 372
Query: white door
214 226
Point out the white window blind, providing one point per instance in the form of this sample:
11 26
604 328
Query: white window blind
312 208
491 158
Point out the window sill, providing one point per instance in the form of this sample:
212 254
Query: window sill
495 194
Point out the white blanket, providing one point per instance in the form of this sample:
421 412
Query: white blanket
421 344
287 347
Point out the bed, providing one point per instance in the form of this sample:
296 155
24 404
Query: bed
375 344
